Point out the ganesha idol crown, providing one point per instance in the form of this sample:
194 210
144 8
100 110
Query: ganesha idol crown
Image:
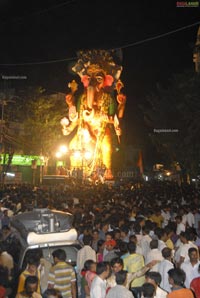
93 61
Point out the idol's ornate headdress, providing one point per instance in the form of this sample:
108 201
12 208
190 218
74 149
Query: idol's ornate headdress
97 61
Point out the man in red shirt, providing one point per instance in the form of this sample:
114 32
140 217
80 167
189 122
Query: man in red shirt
195 286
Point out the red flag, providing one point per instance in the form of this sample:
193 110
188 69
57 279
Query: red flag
140 163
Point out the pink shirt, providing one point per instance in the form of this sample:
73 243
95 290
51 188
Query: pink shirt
89 276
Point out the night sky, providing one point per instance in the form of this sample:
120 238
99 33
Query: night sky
42 31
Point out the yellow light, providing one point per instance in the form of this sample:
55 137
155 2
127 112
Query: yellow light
58 154
63 149
168 173
87 155
86 135
41 157
77 154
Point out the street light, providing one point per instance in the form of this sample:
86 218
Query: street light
63 149
77 154
58 154
87 155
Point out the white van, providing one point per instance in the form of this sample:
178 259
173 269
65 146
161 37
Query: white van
48 230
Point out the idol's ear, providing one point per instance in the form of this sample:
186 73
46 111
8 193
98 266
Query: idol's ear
108 81
85 81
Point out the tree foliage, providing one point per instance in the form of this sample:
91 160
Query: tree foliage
173 116
40 115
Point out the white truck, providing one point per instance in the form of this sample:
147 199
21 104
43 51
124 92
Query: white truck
48 230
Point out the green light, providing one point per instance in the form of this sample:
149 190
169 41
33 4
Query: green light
59 163
22 160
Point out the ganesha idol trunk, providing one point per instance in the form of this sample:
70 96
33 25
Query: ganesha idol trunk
90 96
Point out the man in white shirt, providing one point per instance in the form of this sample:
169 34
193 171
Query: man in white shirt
145 241
85 253
191 267
184 237
161 234
177 249
98 286
165 212
155 279
154 254
148 290
190 217
180 225
120 290
163 267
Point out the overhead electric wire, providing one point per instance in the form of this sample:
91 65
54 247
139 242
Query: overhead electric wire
159 36
121 47
38 63
53 7
39 12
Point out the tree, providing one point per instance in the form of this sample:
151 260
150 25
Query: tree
173 116
40 115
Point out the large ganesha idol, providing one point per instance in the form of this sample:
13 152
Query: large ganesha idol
96 113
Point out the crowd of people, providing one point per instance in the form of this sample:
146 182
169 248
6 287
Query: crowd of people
139 239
